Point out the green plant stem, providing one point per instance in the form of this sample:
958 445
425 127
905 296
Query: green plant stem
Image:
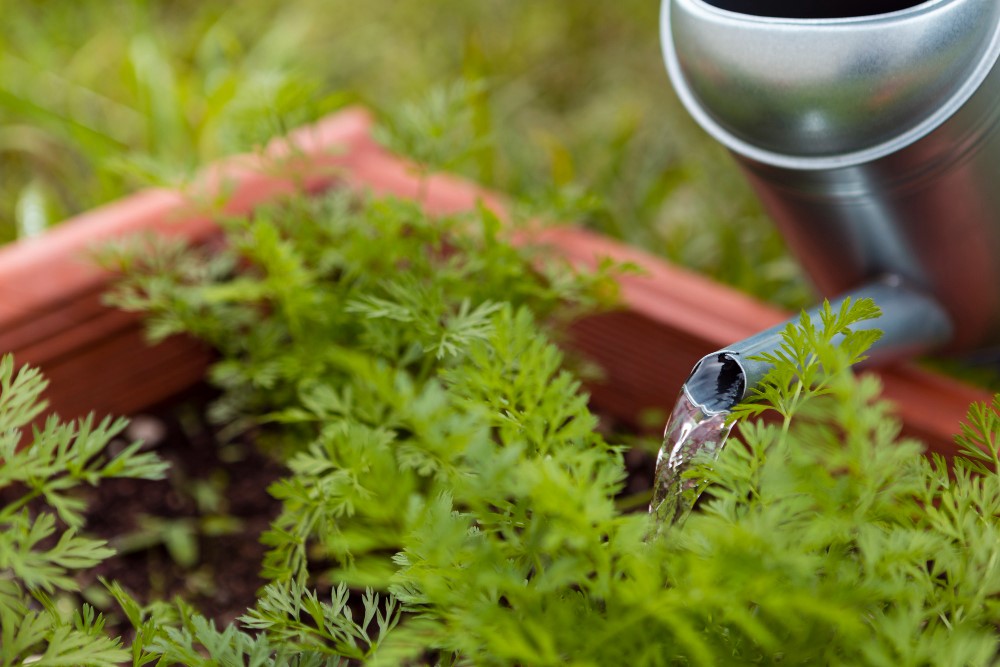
16 505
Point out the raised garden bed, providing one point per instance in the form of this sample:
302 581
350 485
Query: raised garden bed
51 314
427 442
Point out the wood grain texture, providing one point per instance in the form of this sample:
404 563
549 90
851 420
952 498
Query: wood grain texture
51 313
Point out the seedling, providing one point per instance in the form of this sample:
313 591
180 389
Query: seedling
41 543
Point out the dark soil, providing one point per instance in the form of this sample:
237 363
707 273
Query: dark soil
195 534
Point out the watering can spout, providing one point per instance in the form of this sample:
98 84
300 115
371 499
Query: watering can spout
911 323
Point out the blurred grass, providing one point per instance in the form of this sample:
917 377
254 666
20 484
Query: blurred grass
564 105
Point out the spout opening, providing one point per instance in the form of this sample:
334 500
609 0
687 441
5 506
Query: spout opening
717 383
814 9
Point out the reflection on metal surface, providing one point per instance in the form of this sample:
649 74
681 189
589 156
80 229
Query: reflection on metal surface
836 91
870 137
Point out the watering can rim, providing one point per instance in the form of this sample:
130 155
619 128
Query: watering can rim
980 63
919 8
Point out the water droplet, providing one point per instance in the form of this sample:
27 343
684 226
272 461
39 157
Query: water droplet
691 431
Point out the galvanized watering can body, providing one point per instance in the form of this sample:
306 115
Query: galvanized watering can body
873 140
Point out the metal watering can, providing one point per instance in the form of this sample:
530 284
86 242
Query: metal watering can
870 129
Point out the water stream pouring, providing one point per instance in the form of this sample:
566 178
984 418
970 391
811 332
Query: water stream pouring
870 130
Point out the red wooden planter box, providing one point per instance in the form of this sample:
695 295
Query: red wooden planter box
96 358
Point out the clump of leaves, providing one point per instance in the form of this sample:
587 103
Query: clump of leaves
91 109
41 549
447 128
842 544
442 458
325 277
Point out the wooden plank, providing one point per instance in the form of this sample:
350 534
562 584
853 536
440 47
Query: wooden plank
51 314
124 375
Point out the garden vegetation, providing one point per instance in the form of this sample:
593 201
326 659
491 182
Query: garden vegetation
449 500
448 497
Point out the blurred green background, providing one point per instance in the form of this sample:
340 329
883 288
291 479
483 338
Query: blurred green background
565 105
